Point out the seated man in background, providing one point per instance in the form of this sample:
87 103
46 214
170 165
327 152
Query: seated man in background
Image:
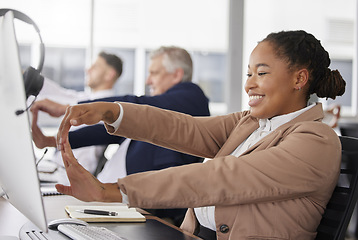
170 75
100 78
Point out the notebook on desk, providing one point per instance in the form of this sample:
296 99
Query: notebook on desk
124 214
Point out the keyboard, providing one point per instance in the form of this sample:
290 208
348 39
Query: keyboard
80 232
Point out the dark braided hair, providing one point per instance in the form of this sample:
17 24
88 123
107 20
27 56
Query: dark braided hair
302 50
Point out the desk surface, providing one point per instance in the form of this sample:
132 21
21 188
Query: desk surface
12 220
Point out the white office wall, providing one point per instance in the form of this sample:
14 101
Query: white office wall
64 22
193 24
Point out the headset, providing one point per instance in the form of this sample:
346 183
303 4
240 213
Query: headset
33 80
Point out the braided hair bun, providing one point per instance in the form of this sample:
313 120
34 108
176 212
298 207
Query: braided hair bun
302 50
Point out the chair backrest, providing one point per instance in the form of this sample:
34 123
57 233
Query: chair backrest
340 207
349 129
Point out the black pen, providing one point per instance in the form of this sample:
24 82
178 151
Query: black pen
97 212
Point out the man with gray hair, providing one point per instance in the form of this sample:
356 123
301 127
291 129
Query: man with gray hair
169 80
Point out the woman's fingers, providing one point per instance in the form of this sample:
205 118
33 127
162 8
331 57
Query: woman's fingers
64 189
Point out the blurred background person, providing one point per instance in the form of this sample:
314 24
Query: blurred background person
101 77
171 87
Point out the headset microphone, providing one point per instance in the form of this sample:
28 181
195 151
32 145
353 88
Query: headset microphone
33 80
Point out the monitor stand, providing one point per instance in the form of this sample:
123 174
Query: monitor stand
30 232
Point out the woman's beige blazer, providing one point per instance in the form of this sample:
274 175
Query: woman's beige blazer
277 189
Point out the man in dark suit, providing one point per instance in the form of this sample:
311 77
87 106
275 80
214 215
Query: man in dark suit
170 74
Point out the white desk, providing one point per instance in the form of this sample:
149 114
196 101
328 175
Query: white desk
11 220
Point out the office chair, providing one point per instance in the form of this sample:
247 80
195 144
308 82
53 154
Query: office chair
348 129
340 207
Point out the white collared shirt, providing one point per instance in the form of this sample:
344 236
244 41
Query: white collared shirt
115 167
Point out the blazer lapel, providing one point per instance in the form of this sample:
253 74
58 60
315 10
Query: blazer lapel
250 124
238 135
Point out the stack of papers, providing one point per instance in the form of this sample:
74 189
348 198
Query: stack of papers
125 214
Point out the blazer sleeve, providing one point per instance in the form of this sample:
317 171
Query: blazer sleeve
291 169
199 136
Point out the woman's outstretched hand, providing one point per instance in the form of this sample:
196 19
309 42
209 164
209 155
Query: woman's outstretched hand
89 113
83 185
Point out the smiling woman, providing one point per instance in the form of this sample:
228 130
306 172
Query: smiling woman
271 85
265 164
283 73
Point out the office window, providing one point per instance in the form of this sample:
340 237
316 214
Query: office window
209 73
330 21
345 67
66 66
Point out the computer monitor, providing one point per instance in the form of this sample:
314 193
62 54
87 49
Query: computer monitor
18 175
